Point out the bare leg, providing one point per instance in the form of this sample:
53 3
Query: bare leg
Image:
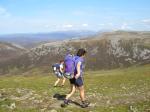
57 81
73 89
63 81
82 95
71 86
66 101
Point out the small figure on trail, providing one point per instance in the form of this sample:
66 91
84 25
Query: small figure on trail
58 70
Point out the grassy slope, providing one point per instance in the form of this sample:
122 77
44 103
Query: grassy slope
119 90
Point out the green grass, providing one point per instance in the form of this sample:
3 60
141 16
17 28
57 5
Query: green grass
119 90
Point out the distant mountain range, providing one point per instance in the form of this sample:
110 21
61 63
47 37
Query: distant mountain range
31 40
105 51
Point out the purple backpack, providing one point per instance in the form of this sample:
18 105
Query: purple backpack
69 66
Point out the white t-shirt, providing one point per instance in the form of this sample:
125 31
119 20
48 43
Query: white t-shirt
61 66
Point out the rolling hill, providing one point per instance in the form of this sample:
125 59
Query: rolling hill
105 51
8 53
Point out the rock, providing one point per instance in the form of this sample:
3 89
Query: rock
32 98
36 101
108 102
45 93
133 109
19 90
92 104
123 87
37 96
68 111
53 110
43 110
12 106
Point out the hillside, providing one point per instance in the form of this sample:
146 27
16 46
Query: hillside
105 51
8 53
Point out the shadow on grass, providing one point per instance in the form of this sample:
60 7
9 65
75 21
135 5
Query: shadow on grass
59 97
62 97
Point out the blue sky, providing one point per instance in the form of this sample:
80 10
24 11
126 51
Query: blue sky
31 16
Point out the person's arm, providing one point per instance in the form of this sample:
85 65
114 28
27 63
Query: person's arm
78 70
61 68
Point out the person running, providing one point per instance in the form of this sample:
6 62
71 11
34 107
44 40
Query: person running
77 81
58 70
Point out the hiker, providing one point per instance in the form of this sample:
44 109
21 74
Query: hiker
77 80
58 69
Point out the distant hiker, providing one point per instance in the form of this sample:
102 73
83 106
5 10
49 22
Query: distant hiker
77 80
58 69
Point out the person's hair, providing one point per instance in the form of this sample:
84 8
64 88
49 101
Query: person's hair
81 52
61 61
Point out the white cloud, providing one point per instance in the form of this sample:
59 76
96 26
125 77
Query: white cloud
146 21
125 26
4 12
67 26
101 24
110 24
47 26
85 25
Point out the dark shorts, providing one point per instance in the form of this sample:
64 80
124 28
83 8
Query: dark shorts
77 82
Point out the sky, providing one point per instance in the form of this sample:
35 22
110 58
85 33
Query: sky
32 16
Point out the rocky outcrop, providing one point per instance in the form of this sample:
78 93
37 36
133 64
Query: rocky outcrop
110 50
105 51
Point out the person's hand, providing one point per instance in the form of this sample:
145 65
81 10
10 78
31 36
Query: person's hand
77 76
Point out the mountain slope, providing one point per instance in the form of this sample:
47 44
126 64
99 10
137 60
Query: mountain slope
8 53
109 50
105 51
